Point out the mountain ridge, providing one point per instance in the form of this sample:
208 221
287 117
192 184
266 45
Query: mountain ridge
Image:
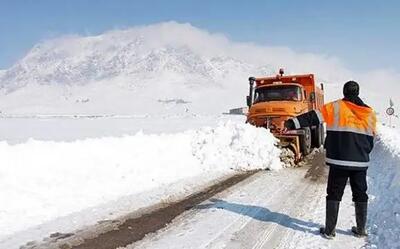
130 69
79 60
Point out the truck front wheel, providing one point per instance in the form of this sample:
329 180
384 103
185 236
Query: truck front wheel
305 142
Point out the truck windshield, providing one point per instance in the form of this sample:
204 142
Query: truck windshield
277 93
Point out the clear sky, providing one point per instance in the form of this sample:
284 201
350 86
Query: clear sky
363 34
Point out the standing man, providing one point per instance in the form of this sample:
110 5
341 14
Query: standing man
350 131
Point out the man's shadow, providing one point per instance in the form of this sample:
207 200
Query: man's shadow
266 215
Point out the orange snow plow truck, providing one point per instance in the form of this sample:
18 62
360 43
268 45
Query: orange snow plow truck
273 100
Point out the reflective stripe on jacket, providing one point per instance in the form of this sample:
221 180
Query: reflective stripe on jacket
350 131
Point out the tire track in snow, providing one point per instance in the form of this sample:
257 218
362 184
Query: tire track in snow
246 217
266 235
272 225
197 216
213 228
273 210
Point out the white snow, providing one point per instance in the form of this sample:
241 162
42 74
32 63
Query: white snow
384 185
270 210
44 180
283 210
20 128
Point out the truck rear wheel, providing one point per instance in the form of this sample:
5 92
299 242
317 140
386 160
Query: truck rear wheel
317 136
305 142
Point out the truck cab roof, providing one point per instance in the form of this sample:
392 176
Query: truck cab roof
303 79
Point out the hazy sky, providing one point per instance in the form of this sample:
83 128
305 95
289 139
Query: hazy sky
363 34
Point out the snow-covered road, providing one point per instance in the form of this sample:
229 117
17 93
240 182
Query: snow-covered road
268 210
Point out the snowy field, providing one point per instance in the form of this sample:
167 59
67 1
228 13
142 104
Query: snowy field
69 128
51 181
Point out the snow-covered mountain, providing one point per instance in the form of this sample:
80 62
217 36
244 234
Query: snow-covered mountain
129 70
78 61
161 68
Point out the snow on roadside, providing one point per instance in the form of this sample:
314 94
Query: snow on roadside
384 189
43 180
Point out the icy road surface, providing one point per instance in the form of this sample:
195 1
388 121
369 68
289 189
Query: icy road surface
269 210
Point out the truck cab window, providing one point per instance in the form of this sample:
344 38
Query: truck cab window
278 93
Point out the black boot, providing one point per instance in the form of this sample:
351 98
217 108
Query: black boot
361 219
332 210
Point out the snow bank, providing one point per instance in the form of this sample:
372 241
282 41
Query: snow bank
384 187
43 180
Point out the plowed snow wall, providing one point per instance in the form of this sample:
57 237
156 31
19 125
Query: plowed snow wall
384 189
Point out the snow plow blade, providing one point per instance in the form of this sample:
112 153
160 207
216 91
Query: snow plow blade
291 142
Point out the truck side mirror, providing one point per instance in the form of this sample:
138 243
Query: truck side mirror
248 99
312 96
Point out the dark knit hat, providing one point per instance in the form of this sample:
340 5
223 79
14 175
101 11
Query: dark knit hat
351 89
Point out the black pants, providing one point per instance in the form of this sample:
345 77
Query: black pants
337 180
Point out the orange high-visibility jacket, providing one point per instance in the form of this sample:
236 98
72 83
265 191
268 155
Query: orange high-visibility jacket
350 131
